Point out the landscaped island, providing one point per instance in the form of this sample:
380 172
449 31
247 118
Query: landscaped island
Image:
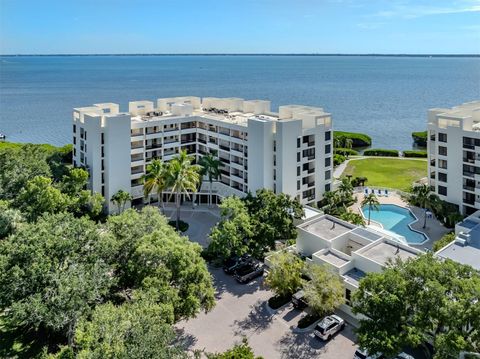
388 172
358 139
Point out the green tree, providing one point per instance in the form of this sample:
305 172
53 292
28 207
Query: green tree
239 351
54 271
348 145
74 181
272 217
183 178
345 190
332 203
285 273
418 300
156 180
442 242
233 233
325 291
421 194
353 218
10 219
40 196
211 169
372 202
131 331
89 204
120 199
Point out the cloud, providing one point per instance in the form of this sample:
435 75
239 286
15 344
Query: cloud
411 11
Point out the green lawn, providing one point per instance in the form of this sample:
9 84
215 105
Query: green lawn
388 172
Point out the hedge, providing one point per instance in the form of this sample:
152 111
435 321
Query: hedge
358 139
338 159
422 154
381 152
420 138
345 152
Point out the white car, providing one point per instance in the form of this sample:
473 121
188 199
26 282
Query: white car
404 356
328 326
363 354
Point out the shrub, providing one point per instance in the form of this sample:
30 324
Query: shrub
420 138
277 301
358 139
442 242
381 152
422 154
307 320
345 152
182 226
338 159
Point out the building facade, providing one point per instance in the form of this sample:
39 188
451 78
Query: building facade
289 151
454 155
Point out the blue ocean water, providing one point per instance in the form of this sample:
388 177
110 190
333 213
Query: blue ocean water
385 97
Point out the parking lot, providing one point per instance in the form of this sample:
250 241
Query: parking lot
241 311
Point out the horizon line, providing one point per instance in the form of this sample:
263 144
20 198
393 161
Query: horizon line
251 54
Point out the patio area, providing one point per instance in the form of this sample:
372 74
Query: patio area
434 229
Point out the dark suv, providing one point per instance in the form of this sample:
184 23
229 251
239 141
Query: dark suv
299 301
232 263
248 271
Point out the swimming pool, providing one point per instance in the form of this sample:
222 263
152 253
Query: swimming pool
396 219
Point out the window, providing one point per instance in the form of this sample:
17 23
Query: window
103 191
298 156
442 190
328 135
298 142
328 174
74 140
103 138
442 137
74 128
442 177
74 151
310 153
328 149
85 135
103 152
327 187
103 165
82 131
298 170
298 185
442 150
328 161
442 164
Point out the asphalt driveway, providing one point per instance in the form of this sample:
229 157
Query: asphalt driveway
241 311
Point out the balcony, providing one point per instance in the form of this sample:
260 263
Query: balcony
469 160
170 129
224 148
153 146
432 175
311 184
432 163
136 145
469 188
469 174
136 171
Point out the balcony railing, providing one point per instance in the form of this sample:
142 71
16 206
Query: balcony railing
153 146
469 188
225 148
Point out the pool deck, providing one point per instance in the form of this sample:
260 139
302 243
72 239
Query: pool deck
434 229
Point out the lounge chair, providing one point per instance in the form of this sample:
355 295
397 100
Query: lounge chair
366 191
373 191
386 193
379 193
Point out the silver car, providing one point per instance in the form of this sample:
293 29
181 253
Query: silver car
328 327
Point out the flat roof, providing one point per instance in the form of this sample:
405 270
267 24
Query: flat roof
468 254
326 228
383 251
367 234
468 223
332 258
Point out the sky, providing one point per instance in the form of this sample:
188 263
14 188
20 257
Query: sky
239 26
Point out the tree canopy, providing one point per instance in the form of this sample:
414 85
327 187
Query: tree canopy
285 273
418 301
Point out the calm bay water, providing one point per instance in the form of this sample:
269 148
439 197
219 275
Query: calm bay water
385 97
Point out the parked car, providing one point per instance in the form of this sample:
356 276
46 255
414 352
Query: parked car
248 271
328 327
298 300
404 356
232 263
363 354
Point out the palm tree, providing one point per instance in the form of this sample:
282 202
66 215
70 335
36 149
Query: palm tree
345 188
421 194
183 176
211 169
372 202
338 141
348 145
120 199
155 180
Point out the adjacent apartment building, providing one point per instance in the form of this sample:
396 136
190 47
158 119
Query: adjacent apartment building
454 155
288 151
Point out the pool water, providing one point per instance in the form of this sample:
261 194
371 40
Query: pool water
396 219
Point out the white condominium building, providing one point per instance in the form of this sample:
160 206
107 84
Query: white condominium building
289 151
454 155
